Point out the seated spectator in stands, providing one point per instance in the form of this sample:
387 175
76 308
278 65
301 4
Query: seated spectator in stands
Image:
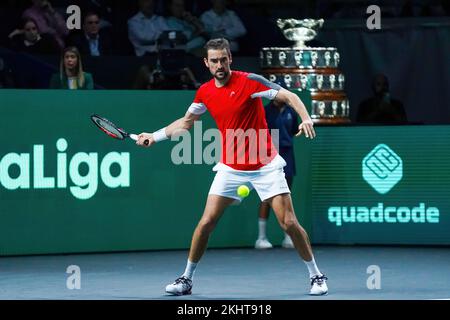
381 108
143 79
182 20
155 79
187 80
220 22
29 40
145 27
71 75
48 20
92 40
150 79
104 8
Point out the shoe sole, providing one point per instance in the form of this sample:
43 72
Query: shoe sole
180 294
322 294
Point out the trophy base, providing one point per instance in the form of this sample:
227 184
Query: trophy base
331 121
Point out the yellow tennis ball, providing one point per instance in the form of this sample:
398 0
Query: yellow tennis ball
243 191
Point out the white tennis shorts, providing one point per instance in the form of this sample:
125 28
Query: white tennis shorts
268 181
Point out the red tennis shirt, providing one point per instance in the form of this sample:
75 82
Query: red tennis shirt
239 114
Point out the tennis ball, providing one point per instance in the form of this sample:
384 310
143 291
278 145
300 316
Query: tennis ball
243 191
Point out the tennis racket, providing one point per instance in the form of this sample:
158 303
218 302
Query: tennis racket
112 130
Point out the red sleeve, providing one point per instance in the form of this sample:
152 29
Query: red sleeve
198 106
198 95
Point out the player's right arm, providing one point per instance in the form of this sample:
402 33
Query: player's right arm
173 129
196 109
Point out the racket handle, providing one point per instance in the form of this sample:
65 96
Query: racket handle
135 138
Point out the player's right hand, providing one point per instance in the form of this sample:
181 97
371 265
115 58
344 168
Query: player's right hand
145 136
306 127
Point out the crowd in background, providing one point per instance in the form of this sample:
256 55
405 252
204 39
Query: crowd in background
168 31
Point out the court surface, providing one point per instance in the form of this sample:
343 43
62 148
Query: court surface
276 274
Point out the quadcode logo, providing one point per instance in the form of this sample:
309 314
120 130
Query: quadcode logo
382 168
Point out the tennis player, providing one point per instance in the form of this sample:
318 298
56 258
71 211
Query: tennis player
233 98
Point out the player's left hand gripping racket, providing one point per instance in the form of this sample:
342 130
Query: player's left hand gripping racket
112 130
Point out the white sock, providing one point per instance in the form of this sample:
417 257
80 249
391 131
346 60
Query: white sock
312 268
190 269
262 228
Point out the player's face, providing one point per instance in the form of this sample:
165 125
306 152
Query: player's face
218 63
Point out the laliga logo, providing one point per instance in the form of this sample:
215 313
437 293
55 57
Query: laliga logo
84 185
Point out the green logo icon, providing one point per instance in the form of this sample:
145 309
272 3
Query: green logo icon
382 168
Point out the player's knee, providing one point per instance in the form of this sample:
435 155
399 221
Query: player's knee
206 225
290 224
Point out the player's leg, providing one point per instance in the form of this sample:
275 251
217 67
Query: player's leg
284 211
215 206
221 194
263 213
287 241
272 186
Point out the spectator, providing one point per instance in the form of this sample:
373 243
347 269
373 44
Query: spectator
104 8
145 27
191 26
92 40
155 79
71 75
48 20
220 22
381 108
29 40
187 80
143 80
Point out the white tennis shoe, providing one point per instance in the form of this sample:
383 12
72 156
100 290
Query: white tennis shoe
319 285
181 286
287 242
263 244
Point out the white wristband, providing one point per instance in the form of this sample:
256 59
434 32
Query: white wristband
160 135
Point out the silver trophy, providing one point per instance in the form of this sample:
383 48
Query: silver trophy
319 80
321 108
282 58
269 58
341 80
288 80
298 58
304 80
327 58
332 81
314 58
344 107
337 58
300 30
334 107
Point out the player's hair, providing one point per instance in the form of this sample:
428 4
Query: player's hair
217 44
62 69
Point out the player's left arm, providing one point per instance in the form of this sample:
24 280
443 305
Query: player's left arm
290 98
